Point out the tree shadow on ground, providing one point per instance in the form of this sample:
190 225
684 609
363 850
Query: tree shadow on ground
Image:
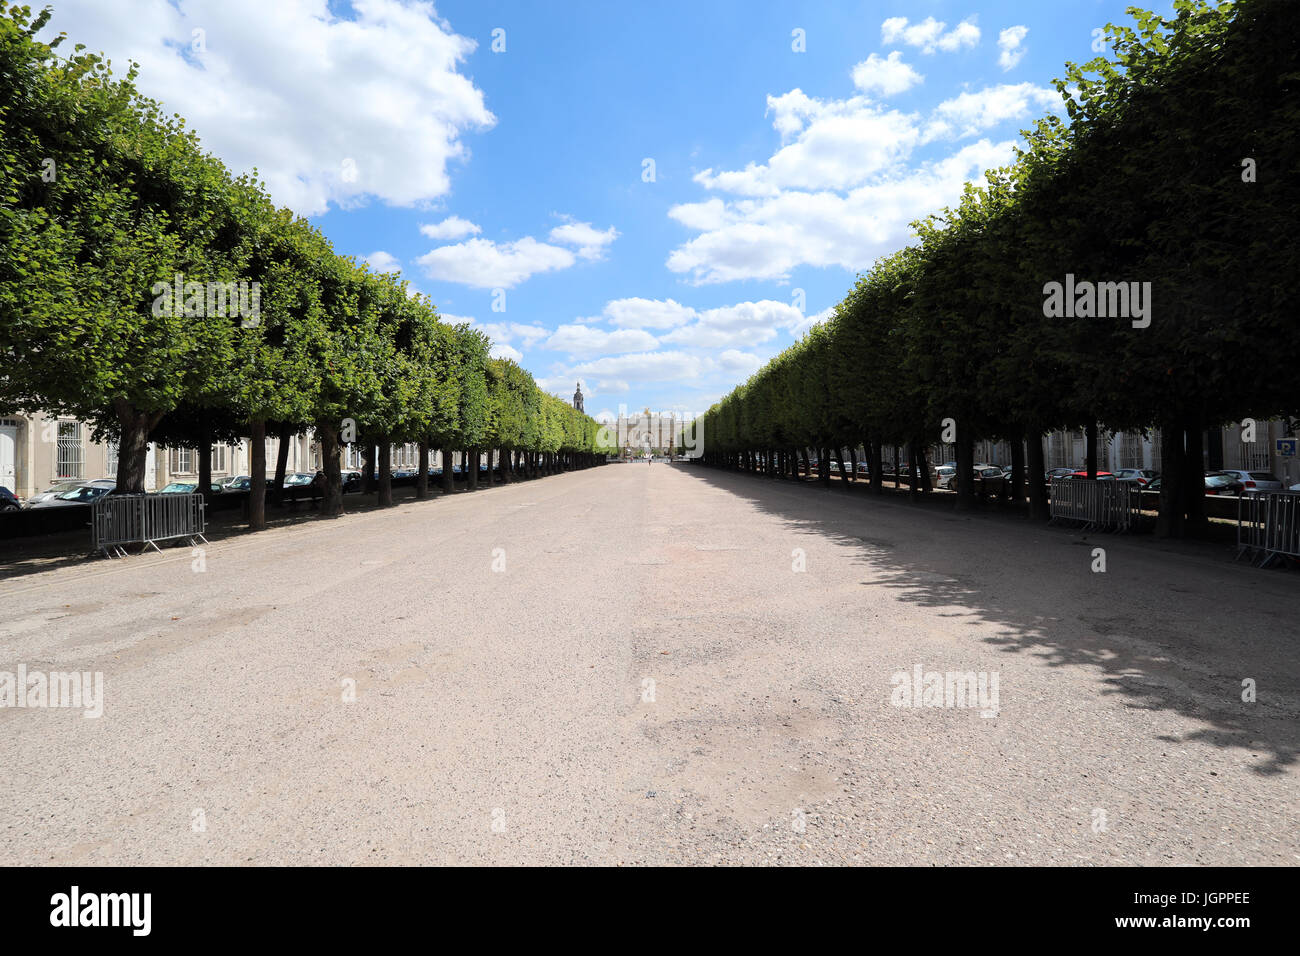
1180 636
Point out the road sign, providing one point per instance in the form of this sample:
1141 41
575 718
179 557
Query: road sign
1286 447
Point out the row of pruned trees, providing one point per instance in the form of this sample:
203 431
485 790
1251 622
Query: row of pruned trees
147 290
1179 167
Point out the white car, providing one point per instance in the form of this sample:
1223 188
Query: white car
946 475
85 492
1254 480
62 488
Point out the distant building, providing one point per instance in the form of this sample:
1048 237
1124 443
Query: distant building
637 434
577 398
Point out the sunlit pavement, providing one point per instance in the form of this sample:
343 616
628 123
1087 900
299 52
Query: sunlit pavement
656 664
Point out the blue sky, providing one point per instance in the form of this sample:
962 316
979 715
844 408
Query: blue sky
518 177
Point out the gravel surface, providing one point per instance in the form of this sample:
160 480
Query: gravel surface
648 679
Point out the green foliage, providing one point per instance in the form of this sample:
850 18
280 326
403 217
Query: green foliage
1144 184
104 195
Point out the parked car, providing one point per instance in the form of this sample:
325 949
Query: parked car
235 483
1100 475
1254 480
1222 483
83 494
352 481
188 488
8 500
1058 473
1138 476
946 475
864 468
297 478
989 480
62 487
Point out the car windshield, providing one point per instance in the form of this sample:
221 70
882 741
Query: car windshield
1262 476
86 493
63 487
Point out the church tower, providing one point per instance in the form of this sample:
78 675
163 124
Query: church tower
577 398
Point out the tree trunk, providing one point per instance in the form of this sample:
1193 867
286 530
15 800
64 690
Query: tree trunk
1018 468
369 481
257 476
204 452
844 475
876 462
328 436
898 479
448 476
1037 465
422 476
385 472
1169 523
133 449
922 467
281 463
853 462
1196 524
965 472
1090 450
471 469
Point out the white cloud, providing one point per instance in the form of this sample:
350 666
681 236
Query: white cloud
453 227
843 188
1009 42
503 351
585 340
837 143
744 324
968 114
740 363
767 239
329 110
381 261
484 264
591 242
527 335
928 35
637 313
885 75
647 367
797 329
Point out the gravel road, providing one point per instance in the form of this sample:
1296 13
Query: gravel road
626 665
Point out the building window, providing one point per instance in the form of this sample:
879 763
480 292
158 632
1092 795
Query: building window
69 459
110 459
315 456
182 461
218 459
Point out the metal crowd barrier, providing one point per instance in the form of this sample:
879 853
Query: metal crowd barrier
119 520
1100 505
1268 525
